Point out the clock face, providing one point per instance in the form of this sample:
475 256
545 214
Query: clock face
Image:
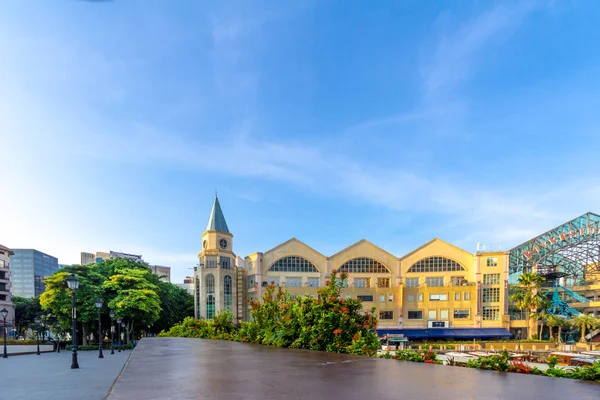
223 243
205 244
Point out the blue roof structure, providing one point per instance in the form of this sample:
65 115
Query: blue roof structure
216 221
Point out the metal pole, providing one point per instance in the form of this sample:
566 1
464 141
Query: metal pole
112 336
5 353
37 336
119 330
74 363
100 343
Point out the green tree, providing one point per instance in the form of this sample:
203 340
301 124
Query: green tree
26 310
527 296
584 322
176 304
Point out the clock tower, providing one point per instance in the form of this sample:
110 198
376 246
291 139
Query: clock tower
216 276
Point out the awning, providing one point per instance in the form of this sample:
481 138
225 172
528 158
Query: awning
444 333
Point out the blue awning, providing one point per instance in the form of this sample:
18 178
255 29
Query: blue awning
444 333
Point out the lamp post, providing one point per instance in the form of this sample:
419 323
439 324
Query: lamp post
119 330
123 324
112 331
37 333
73 284
100 341
4 313
58 334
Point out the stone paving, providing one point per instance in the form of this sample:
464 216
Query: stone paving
49 376
177 368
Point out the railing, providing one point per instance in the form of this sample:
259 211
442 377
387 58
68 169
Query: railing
518 315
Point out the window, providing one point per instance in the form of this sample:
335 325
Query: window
313 282
457 296
420 297
227 292
431 314
438 297
436 264
249 264
211 262
2 275
293 281
210 295
491 279
293 264
273 280
411 297
462 314
444 314
362 282
363 265
365 297
412 282
491 313
491 295
382 298
415 315
492 261
435 281
251 280
386 315
2 297
466 296
225 262
390 297
345 282
3 287
458 280
383 282
2 264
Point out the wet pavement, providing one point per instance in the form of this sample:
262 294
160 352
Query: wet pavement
49 376
178 368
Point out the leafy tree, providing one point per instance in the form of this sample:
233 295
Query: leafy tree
527 295
26 310
176 304
584 322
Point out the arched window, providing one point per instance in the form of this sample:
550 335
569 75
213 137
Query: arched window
293 264
363 265
210 295
435 264
227 291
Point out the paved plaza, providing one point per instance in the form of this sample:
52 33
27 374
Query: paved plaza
177 368
49 376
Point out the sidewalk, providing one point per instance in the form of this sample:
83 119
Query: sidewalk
49 376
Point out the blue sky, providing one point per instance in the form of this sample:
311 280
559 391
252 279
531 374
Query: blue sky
330 122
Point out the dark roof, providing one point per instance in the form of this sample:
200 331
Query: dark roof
216 221
10 252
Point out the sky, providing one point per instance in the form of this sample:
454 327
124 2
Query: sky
328 121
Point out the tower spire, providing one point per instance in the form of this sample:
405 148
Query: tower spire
216 220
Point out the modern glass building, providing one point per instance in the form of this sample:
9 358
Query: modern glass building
29 268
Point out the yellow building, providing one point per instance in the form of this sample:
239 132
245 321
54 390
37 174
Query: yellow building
436 291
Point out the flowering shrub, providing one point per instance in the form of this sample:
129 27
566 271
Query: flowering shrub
328 323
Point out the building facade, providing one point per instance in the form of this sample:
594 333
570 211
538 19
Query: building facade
5 289
434 289
29 268
163 272
92 258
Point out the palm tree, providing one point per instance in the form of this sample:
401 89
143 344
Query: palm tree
554 321
526 294
583 322
562 322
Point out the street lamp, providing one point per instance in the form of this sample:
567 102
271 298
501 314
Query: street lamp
4 313
58 334
37 334
119 329
112 331
73 284
125 333
100 342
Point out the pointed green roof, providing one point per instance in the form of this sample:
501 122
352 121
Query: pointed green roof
216 221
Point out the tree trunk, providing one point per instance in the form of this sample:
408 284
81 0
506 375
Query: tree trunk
84 340
551 328
531 328
541 330
582 340
559 333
